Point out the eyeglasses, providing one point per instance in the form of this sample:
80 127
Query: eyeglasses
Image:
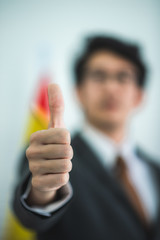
101 76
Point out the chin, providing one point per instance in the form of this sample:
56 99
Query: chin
109 117
109 123
106 119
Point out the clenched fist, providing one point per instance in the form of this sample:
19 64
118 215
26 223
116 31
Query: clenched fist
50 153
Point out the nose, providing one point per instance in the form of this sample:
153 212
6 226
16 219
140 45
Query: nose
110 85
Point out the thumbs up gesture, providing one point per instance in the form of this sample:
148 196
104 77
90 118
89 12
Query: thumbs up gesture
49 153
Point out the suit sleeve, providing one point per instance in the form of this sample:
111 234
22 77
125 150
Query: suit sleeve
65 193
32 219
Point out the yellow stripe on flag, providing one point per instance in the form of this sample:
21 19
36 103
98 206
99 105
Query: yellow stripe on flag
15 231
38 120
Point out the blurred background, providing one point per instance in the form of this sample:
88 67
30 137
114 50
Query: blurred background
44 37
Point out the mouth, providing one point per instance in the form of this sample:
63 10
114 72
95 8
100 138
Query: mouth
110 105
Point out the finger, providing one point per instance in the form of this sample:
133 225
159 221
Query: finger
50 166
56 106
51 136
50 151
50 182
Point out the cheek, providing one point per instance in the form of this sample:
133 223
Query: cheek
129 100
90 95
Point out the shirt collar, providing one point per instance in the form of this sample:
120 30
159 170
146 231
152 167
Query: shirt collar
104 147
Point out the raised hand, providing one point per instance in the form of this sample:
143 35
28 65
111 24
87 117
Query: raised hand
50 153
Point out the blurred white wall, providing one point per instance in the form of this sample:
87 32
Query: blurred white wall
28 27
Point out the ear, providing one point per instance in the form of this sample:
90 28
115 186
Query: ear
79 93
139 97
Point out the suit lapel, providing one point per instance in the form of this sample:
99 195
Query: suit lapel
106 178
156 174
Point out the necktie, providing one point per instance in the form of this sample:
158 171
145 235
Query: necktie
122 174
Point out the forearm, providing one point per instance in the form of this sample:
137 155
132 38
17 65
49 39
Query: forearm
39 219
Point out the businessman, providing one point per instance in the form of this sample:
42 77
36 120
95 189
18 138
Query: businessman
99 185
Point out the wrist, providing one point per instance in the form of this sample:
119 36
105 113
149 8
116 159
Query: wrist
40 198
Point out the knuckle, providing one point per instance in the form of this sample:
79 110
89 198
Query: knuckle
70 166
65 135
68 152
64 178
28 153
71 152
33 137
65 150
51 130
36 136
34 168
32 152
36 183
67 166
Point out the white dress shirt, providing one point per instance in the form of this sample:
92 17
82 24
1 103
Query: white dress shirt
107 150
140 173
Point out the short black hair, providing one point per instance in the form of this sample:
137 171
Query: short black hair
122 48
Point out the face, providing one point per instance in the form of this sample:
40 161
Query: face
109 92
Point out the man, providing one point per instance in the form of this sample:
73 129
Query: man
112 191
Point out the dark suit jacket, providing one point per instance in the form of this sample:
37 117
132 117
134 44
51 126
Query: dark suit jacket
99 209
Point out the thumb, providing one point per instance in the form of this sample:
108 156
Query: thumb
56 106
